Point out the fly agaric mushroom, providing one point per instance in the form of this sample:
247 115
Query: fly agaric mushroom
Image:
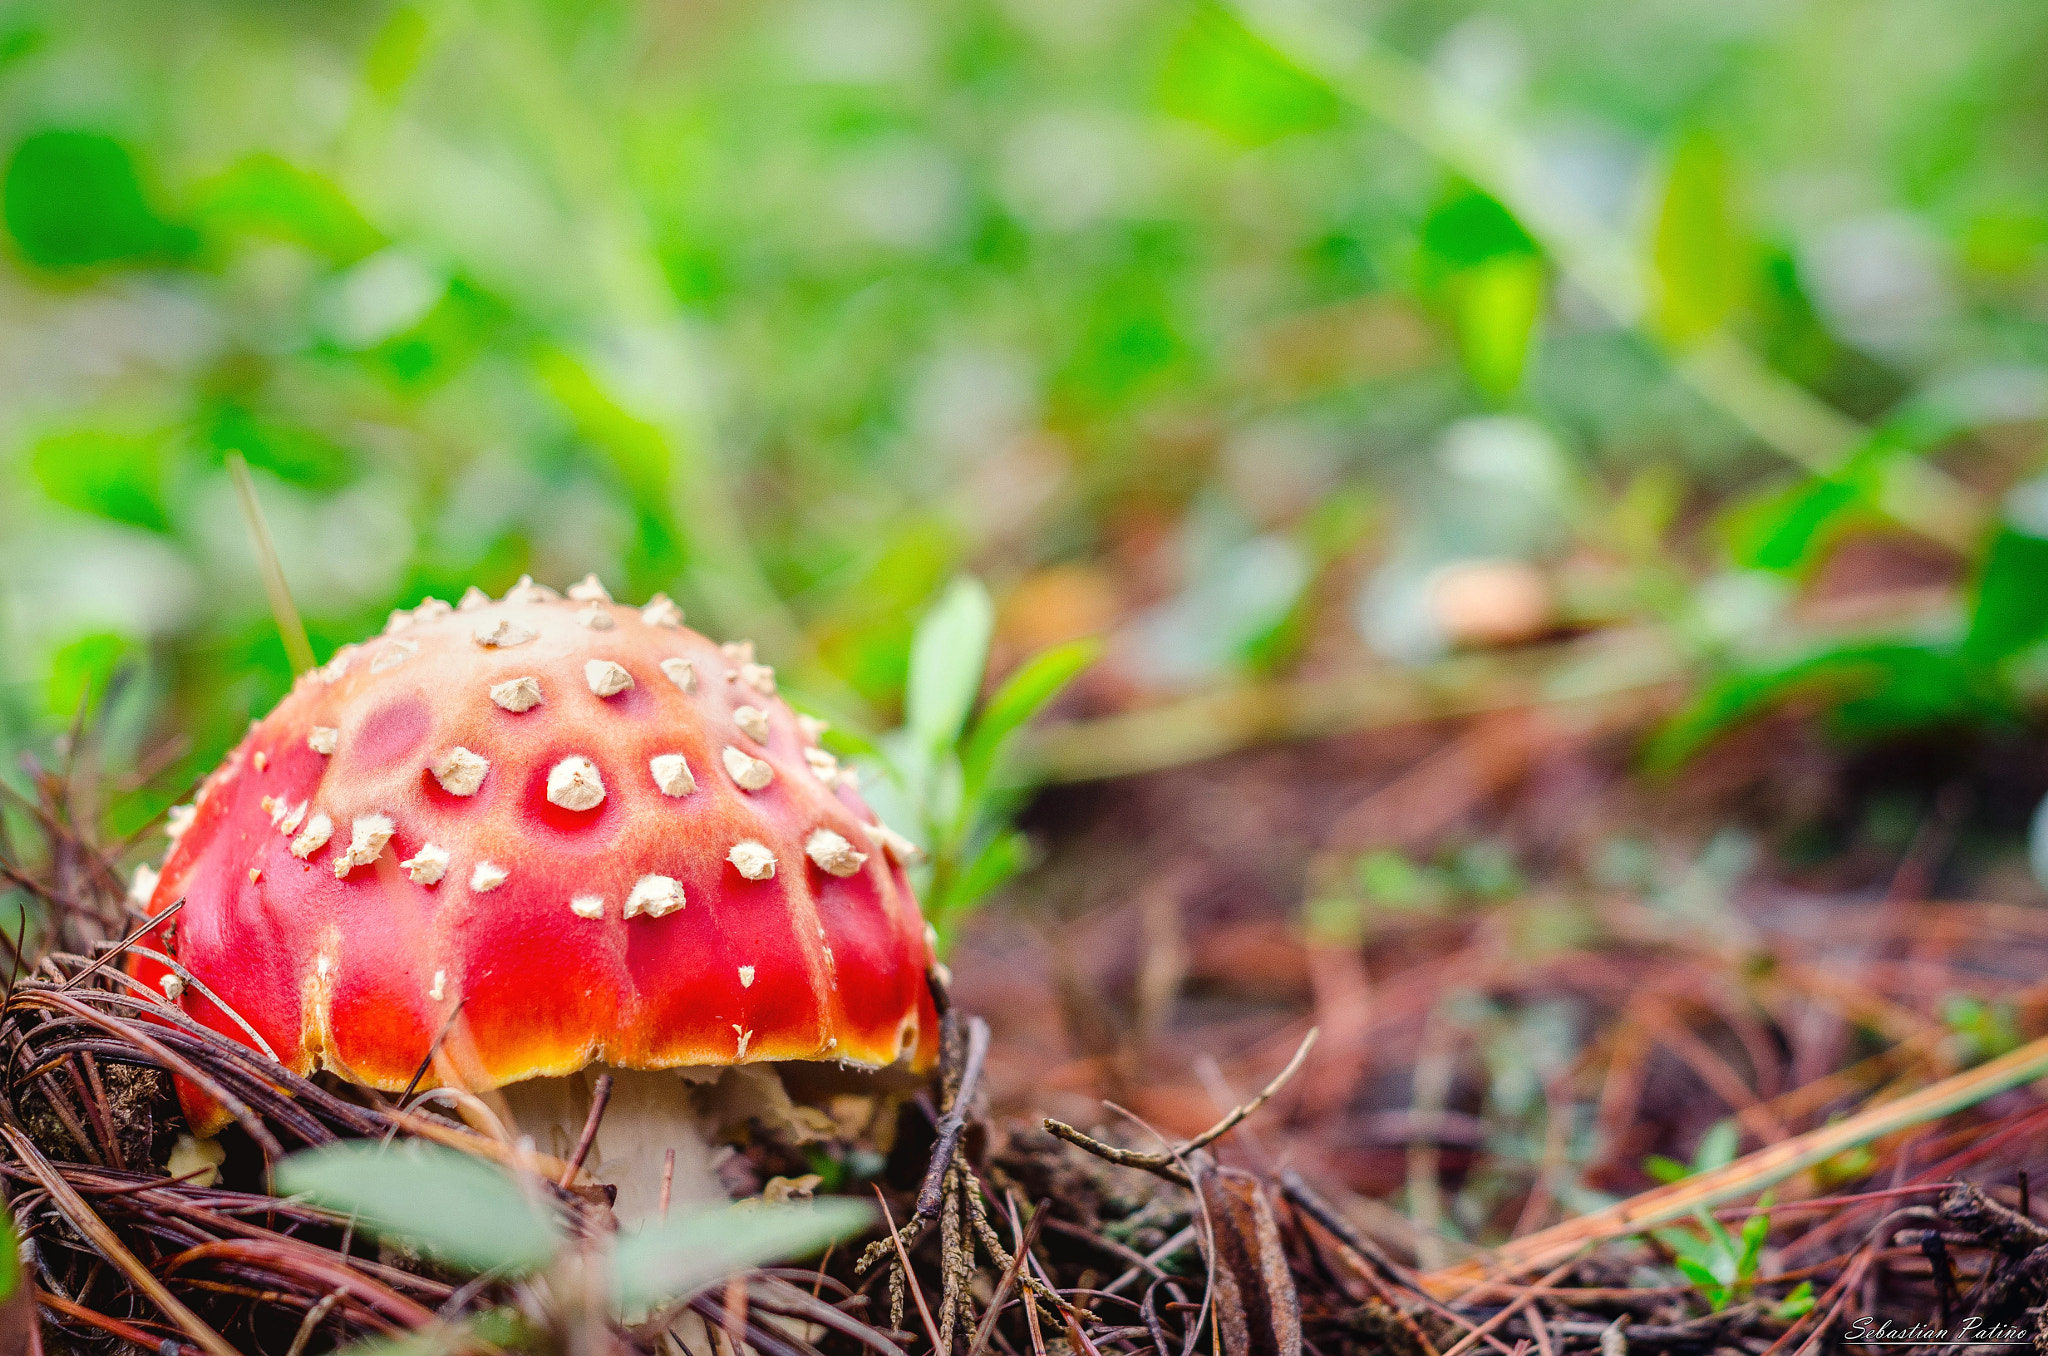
595 831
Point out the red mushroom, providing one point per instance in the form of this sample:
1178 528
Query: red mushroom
600 833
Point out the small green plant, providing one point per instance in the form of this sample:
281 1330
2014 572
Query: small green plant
1980 1030
1720 1264
1796 1305
473 1215
1980 669
1717 1149
946 777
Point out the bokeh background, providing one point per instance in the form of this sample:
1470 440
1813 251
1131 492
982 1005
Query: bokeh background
1220 331
1512 458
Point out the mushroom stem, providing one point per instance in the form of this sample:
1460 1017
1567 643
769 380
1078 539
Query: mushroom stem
616 1127
656 1136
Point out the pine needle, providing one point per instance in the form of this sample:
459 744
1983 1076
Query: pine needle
1747 1175
290 628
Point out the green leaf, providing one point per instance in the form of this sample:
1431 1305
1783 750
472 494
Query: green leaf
17 1301
1868 689
1468 228
1219 74
947 656
10 1257
1666 1170
1718 1147
294 453
1790 531
73 199
82 669
114 475
637 448
1722 1253
1686 1245
265 194
1709 1286
1797 1304
690 1251
2010 612
1494 308
1697 250
1023 694
1002 857
445 1202
1755 1230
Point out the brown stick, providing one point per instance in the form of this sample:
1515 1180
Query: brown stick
1163 1164
600 1098
954 1122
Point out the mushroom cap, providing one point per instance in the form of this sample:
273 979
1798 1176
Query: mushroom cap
505 826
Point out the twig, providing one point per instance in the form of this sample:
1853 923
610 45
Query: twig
315 1316
600 1097
1521 1302
1140 1264
127 1332
1163 1164
290 628
954 1122
440 1039
1297 1190
1009 1281
1031 1310
903 1257
119 947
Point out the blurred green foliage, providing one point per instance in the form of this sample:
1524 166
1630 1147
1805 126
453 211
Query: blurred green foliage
465 1210
799 310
